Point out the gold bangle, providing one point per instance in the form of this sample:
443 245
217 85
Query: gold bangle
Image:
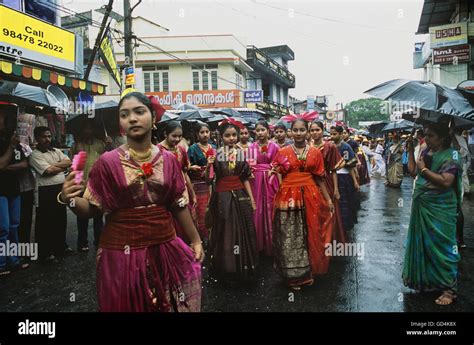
423 170
194 243
59 199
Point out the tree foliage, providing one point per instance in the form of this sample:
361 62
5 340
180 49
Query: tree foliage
366 109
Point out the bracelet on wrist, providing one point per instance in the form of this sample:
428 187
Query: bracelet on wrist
58 198
423 170
195 243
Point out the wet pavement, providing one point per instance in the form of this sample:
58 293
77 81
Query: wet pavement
371 283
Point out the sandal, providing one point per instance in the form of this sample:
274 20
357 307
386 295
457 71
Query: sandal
83 249
446 298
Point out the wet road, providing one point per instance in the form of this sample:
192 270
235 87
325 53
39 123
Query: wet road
369 283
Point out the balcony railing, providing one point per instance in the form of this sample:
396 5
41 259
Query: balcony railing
257 56
274 109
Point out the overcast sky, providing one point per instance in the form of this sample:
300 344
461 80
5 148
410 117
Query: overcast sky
342 48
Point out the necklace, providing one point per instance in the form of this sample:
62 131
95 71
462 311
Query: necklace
140 156
301 156
318 145
203 148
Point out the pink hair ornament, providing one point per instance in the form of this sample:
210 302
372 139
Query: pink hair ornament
307 116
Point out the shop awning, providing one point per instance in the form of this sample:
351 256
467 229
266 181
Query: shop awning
50 78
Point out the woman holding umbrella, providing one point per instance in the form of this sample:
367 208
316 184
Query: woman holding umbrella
432 256
141 264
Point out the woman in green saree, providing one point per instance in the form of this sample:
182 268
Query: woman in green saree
432 256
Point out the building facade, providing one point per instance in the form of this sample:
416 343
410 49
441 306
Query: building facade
271 74
446 56
209 71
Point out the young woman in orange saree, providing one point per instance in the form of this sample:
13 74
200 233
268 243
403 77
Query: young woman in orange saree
302 213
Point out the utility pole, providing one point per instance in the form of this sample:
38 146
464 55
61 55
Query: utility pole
98 40
127 13
128 34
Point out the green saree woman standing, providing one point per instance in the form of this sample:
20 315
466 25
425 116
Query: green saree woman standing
432 256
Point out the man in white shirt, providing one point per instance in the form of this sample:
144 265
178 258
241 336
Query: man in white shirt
51 218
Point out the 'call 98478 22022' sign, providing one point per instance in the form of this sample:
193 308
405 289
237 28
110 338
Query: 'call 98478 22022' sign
25 37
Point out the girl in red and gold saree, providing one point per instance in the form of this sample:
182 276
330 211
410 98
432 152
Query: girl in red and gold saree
173 133
302 215
141 264
264 187
232 243
198 154
332 162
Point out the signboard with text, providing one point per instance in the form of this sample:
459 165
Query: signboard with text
203 99
25 37
452 55
310 103
253 96
448 35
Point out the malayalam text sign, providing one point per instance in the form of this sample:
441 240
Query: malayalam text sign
253 96
452 55
25 37
448 35
204 99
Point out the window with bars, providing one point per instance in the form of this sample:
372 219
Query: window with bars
156 78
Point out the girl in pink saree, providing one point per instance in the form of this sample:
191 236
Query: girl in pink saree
141 264
264 188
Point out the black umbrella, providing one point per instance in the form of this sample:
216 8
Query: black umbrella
199 114
26 95
424 95
400 125
227 111
376 128
169 116
216 118
104 115
425 116
186 106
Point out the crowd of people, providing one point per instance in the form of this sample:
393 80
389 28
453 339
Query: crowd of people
231 196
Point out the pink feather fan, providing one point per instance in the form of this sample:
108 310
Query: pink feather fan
78 164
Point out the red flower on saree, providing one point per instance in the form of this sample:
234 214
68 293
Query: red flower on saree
147 169
264 149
